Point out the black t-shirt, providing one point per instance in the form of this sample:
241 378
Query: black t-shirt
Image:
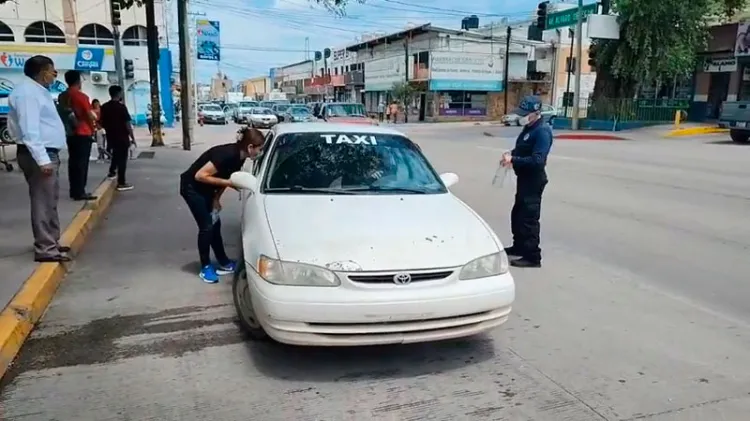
114 120
226 158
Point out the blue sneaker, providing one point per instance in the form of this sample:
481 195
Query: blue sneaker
227 269
208 274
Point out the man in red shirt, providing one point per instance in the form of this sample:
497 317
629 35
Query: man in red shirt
79 142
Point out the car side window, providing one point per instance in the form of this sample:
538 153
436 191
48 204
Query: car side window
258 162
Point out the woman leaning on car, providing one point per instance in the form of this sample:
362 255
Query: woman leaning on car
202 186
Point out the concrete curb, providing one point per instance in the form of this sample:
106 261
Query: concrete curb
693 131
27 307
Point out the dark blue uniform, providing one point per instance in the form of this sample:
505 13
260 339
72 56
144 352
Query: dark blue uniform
529 159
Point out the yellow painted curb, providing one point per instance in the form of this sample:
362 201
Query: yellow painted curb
27 307
692 131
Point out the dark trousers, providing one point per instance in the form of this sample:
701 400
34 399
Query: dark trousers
150 125
209 233
381 115
79 152
524 218
44 192
119 162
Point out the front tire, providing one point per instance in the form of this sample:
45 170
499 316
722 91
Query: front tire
243 304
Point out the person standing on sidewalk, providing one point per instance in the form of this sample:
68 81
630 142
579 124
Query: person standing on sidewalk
202 186
528 159
79 144
118 126
96 108
36 127
381 111
393 108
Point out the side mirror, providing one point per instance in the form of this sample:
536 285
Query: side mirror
449 178
244 180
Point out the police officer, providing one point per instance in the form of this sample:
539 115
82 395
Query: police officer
528 159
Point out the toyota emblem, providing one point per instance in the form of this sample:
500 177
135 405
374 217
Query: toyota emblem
401 279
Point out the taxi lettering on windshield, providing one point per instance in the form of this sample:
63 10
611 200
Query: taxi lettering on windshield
353 139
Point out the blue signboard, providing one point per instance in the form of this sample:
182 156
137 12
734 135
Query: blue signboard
466 85
89 59
208 44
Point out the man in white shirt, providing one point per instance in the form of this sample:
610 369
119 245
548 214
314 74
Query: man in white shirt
36 127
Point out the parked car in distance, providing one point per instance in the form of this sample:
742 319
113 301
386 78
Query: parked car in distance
267 104
548 114
279 110
417 277
243 110
345 112
229 110
261 118
212 114
298 114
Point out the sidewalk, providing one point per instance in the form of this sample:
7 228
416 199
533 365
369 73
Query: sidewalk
16 241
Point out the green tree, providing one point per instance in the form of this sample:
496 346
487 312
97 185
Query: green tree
658 41
404 93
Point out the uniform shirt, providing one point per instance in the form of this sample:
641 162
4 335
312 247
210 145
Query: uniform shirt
532 148
226 158
81 106
114 120
33 120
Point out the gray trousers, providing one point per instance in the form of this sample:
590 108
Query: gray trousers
44 192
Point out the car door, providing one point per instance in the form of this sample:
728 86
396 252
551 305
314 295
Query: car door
253 219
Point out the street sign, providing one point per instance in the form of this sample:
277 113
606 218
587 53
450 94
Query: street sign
569 17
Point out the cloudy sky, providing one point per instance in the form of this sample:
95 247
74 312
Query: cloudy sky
259 34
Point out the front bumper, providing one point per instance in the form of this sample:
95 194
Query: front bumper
212 119
264 124
321 316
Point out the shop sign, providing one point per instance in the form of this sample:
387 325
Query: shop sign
468 112
380 75
13 60
475 71
89 59
720 65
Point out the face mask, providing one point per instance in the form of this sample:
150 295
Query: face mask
524 120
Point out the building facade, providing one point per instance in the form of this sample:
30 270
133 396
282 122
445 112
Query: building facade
77 34
256 87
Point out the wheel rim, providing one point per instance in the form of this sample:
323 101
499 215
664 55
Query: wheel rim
246 305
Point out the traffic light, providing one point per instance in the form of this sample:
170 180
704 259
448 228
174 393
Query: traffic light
541 15
592 56
116 6
129 69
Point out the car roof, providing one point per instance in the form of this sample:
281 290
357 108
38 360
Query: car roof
334 128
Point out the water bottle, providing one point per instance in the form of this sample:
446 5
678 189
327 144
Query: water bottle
501 174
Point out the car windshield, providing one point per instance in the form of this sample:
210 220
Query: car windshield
299 111
345 110
349 163
248 104
211 108
261 111
267 104
282 107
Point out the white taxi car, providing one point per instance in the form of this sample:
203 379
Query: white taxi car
350 237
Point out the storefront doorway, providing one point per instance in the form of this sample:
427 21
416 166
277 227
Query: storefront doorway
718 89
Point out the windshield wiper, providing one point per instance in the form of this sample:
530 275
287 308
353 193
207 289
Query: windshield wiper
387 189
300 189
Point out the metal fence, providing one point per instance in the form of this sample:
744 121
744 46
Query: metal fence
627 109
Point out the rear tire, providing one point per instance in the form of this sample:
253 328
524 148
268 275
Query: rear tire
243 304
739 136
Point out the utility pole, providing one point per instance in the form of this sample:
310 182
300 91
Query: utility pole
506 60
555 50
579 54
406 79
186 102
152 37
570 67
118 59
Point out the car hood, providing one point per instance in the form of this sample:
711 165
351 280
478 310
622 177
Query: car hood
262 116
377 232
213 113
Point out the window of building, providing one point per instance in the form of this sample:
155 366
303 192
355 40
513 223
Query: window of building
44 32
95 34
458 103
135 36
6 34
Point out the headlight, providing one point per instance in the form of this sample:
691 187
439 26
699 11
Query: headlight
278 272
490 265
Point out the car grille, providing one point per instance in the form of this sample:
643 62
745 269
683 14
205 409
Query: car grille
387 278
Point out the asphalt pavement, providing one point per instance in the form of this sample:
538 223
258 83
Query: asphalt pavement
640 310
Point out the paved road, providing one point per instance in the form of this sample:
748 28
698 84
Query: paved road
640 311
